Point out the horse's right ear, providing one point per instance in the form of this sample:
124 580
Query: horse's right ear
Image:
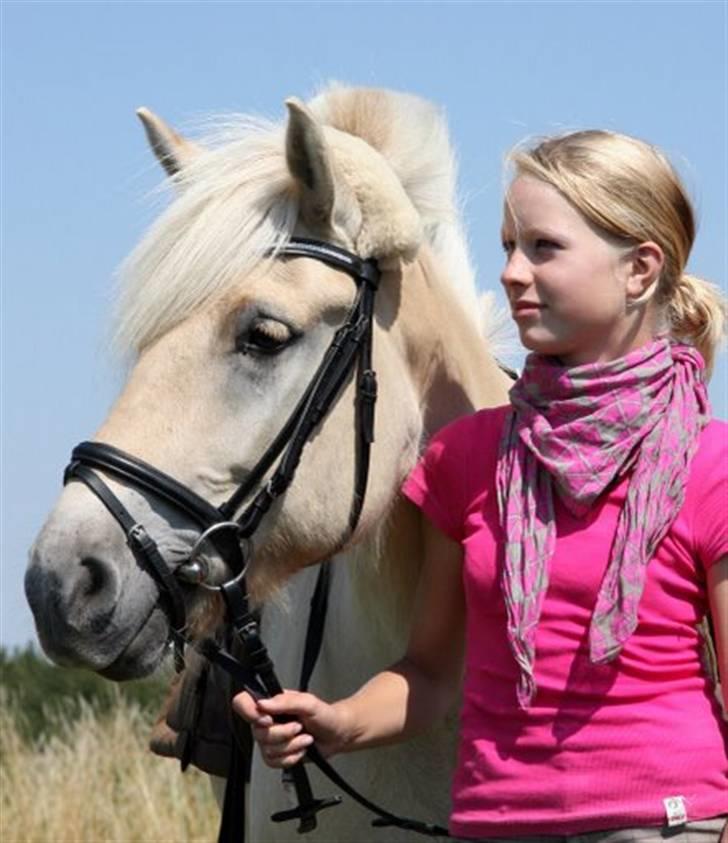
172 150
308 160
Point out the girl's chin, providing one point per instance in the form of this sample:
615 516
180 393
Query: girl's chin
540 344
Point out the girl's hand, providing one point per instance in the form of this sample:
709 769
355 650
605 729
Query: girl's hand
283 744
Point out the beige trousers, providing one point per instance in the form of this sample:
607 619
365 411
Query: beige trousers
698 831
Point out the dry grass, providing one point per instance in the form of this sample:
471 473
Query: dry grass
96 781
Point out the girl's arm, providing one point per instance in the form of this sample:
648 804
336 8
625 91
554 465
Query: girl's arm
718 598
396 703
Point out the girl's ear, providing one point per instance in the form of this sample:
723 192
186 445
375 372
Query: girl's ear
645 263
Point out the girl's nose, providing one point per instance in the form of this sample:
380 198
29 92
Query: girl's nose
517 271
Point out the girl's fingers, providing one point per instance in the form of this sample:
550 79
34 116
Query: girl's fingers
285 755
292 703
246 706
288 761
281 744
276 734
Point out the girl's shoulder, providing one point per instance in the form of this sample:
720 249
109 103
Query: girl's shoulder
466 447
479 427
711 457
706 495
456 464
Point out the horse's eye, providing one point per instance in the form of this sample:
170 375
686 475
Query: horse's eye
264 336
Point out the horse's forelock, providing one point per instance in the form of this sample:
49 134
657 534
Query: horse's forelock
412 135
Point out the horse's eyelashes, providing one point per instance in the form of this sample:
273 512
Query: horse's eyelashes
264 336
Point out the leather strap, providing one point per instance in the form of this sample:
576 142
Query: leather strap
140 542
141 475
323 391
316 623
145 551
246 628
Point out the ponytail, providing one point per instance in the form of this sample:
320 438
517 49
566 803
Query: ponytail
696 312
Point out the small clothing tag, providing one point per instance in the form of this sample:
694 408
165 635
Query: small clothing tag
675 810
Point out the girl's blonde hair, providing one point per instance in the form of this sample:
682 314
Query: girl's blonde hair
630 191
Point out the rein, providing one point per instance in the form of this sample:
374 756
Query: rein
230 531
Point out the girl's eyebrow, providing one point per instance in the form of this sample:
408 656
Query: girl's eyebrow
533 230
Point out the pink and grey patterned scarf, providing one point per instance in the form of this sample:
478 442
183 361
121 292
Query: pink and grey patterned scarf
578 429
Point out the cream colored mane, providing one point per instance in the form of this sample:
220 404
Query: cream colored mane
237 201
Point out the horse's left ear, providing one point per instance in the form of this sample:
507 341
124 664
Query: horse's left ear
308 160
172 150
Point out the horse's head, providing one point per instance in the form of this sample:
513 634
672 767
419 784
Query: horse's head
226 336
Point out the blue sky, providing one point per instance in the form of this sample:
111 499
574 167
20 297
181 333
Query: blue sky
77 174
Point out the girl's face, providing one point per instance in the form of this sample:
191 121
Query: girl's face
567 286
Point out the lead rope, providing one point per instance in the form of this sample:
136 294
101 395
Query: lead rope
259 676
232 825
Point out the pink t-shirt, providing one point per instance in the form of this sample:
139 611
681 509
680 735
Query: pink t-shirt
602 745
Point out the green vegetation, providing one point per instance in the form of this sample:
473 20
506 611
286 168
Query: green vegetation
75 766
41 695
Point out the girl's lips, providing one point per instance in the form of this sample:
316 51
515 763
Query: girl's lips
525 308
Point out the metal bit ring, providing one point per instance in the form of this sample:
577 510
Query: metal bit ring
196 571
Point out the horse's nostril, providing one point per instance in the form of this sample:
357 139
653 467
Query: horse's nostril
97 578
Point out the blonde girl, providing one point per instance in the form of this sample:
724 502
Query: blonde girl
575 538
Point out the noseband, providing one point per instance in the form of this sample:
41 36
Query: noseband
231 526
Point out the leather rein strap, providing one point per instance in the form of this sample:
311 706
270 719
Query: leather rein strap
228 529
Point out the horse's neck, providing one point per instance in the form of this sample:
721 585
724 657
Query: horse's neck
451 366
454 375
362 630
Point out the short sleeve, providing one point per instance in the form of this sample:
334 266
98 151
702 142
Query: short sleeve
438 483
710 475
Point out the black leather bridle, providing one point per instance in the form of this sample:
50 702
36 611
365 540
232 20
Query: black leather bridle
231 526
225 526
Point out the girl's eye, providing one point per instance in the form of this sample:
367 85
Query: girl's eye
543 243
264 337
508 246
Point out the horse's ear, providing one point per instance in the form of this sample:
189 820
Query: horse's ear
172 150
310 164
